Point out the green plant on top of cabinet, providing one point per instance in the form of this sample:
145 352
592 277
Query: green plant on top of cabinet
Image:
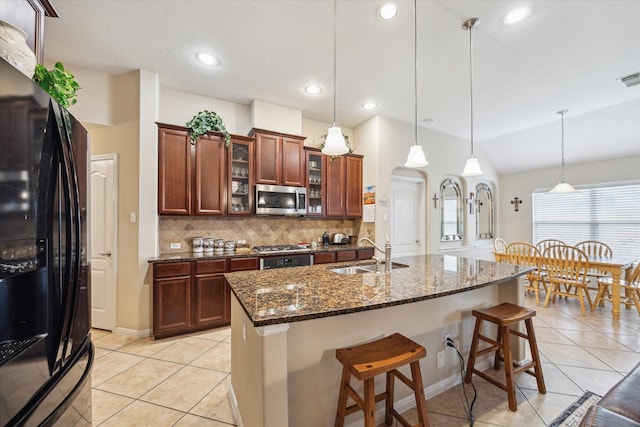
316 174
191 178
279 158
344 186
240 176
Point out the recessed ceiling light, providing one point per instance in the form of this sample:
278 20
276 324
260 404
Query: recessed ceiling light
517 15
207 59
313 90
387 11
369 106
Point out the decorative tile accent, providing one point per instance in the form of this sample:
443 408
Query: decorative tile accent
256 230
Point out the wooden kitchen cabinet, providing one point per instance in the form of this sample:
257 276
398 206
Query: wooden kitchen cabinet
316 171
344 186
171 298
353 187
365 253
241 178
191 177
211 299
193 295
279 158
324 257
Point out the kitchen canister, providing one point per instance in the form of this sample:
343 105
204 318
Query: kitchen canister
218 245
208 244
229 246
197 244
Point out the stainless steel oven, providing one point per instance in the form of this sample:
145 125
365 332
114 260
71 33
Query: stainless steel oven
284 261
280 200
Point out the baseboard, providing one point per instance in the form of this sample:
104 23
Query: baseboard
234 406
133 332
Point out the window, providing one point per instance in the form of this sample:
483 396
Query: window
610 214
450 211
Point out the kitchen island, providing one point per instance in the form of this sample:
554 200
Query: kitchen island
287 323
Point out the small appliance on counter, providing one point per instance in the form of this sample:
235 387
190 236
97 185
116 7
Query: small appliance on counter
340 239
325 239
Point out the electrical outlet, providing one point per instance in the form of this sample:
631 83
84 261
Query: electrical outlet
174 245
440 359
447 336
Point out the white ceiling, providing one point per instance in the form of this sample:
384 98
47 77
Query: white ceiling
567 54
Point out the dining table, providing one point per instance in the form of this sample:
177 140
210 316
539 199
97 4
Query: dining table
617 266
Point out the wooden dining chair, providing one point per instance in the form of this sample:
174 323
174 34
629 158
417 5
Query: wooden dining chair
544 244
522 253
631 286
566 268
594 248
499 245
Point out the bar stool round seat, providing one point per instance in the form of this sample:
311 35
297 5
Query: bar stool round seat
504 315
382 356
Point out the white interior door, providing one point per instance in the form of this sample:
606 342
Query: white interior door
103 241
407 216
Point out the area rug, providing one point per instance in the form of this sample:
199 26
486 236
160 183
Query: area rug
573 414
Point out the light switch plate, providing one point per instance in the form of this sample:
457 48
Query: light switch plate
175 245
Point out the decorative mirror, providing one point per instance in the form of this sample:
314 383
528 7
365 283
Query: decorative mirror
450 211
484 211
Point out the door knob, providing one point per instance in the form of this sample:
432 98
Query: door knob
107 254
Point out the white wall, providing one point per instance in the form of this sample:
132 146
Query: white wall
517 226
446 155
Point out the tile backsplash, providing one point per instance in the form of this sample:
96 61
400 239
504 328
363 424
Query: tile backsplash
256 230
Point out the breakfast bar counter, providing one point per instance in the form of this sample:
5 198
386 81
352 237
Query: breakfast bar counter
287 323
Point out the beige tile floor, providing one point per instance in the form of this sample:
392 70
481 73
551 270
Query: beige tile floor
184 381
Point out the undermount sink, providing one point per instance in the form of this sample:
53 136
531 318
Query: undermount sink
368 268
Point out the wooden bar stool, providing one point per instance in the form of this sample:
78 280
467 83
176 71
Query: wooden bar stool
504 315
364 362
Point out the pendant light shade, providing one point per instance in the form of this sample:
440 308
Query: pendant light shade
472 167
335 145
416 158
562 186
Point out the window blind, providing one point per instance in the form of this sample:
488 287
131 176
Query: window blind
610 214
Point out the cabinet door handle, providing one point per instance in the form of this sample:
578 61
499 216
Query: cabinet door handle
107 254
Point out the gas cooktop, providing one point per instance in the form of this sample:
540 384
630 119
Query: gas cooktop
279 248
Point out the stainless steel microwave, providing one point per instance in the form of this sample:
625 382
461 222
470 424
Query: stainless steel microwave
280 200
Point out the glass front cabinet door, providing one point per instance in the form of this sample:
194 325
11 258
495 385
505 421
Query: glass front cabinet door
316 172
241 179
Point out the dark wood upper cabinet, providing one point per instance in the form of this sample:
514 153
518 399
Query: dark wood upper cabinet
191 177
210 179
353 186
344 186
174 171
336 172
241 175
279 158
293 161
28 15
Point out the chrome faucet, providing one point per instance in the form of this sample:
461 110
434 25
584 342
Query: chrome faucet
386 251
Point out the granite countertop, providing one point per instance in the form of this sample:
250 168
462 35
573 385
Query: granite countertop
192 256
270 297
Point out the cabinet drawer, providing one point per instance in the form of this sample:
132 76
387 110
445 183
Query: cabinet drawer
365 253
172 269
239 264
324 257
211 266
346 256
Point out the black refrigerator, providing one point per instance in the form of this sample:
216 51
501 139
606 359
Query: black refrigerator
46 354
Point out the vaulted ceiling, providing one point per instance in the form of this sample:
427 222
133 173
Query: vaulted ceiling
566 54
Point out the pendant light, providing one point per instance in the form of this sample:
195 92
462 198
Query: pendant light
416 158
472 167
335 145
562 186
